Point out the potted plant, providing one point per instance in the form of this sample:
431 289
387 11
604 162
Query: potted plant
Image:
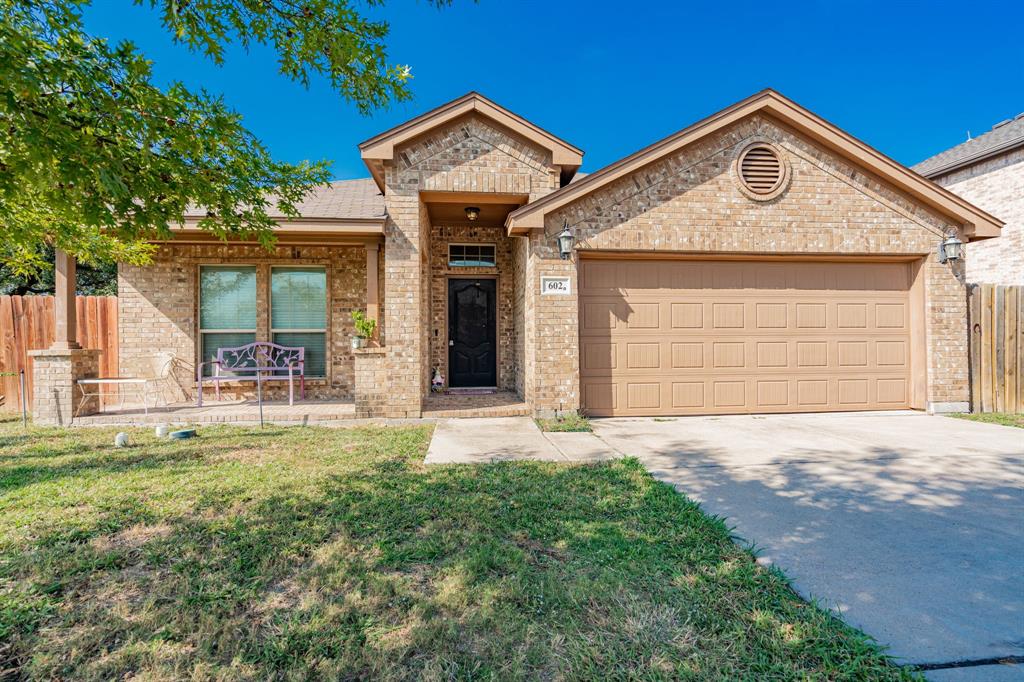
364 328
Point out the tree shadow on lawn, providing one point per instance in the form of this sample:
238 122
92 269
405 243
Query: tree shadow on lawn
514 570
920 544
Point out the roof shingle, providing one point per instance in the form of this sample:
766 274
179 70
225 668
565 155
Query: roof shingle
341 199
1003 136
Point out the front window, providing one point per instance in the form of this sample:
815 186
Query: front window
227 309
471 255
298 313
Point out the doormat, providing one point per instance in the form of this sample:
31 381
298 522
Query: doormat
471 391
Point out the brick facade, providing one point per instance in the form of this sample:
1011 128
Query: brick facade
470 155
159 303
56 398
371 381
685 202
997 186
690 202
441 272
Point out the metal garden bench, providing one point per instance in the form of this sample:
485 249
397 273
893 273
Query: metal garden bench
260 361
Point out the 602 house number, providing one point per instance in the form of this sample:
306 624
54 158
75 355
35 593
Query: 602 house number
555 286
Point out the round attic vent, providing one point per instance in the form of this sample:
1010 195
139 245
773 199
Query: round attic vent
761 169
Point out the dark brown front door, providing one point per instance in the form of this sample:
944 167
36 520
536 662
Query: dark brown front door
472 333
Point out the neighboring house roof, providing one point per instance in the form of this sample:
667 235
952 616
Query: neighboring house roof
1003 137
380 148
977 224
339 200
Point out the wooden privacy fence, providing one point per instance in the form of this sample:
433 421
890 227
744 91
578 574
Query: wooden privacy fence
26 323
996 320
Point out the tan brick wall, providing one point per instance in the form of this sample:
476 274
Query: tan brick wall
440 272
469 155
55 396
520 253
690 202
371 382
997 186
158 309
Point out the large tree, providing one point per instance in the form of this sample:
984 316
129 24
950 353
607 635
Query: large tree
97 159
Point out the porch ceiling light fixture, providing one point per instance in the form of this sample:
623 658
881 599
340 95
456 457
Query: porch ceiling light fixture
950 249
472 212
565 241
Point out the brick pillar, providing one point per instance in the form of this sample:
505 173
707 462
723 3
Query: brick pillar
403 302
371 382
55 397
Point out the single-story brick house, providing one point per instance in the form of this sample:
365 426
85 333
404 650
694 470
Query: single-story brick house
988 171
760 260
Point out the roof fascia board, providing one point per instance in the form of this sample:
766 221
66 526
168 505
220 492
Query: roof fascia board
325 226
977 223
382 147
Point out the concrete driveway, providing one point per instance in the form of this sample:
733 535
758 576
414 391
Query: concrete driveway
910 525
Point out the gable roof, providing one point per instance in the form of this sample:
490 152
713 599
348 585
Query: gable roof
977 224
1004 136
381 147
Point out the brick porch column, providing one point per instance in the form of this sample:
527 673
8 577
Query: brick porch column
404 301
371 382
55 396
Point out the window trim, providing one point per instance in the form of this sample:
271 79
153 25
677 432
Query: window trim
272 331
453 264
202 332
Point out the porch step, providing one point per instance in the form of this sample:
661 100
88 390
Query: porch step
496 404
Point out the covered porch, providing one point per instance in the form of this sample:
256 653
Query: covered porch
306 412
224 412
177 312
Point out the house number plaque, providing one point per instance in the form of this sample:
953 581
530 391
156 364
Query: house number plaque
555 286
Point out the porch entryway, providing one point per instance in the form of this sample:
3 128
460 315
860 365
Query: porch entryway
472 333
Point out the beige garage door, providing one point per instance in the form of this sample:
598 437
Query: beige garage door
717 337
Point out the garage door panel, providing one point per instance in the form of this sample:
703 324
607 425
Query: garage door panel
771 315
733 337
772 354
643 315
687 315
643 356
772 393
811 394
688 355
643 395
597 355
892 391
891 316
688 395
728 315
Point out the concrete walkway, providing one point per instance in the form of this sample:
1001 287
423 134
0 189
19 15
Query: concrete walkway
478 441
912 526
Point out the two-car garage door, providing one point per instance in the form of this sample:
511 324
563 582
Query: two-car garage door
674 337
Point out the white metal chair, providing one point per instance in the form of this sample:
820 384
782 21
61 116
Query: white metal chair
159 370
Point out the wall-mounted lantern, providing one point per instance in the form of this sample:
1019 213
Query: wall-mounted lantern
950 249
565 242
472 212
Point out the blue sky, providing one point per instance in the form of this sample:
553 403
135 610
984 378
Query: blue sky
909 78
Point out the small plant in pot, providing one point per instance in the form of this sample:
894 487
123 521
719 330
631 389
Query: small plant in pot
364 329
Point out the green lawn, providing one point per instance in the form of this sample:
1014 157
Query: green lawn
1001 418
569 422
298 553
